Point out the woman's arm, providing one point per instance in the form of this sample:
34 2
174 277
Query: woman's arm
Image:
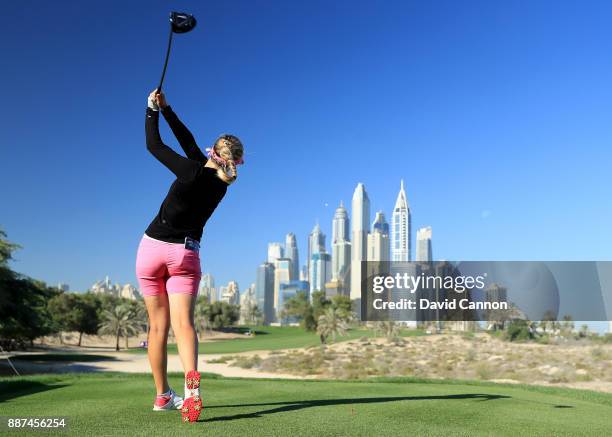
185 169
182 134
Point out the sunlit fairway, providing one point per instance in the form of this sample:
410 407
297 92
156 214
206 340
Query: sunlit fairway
275 338
120 404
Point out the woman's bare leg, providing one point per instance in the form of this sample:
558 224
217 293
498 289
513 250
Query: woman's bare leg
182 306
159 323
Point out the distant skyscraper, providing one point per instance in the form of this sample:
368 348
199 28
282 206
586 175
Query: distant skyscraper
107 287
264 291
316 244
378 239
275 251
231 293
222 291
282 275
360 212
341 249
423 245
401 228
496 293
291 252
304 273
207 287
320 271
340 225
129 292
247 303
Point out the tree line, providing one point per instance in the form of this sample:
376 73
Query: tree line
327 317
30 309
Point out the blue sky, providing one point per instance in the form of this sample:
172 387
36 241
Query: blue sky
497 115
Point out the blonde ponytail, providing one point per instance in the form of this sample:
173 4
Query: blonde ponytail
229 149
228 176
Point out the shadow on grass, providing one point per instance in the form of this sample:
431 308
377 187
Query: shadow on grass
14 389
55 357
300 405
241 330
29 364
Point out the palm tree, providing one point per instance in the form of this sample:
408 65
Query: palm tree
331 322
140 316
567 326
389 329
119 322
200 316
255 315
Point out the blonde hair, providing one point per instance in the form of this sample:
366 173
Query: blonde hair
230 149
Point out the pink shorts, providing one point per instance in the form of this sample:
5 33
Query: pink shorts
167 268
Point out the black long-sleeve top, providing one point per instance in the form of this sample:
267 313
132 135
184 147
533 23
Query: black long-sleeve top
194 194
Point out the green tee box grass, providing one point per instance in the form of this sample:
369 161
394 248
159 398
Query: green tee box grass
274 338
120 404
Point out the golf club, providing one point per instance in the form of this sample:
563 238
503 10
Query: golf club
180 22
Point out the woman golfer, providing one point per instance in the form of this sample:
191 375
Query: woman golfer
168 261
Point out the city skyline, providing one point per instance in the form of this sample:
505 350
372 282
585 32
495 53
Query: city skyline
330 272
281 282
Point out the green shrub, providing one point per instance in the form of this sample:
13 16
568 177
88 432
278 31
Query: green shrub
518 330
471 355
544 339
484 371
247 362
222 360
468 335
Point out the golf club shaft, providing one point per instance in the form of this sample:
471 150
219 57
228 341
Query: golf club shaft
161 81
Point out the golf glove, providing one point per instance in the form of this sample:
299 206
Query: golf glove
152 104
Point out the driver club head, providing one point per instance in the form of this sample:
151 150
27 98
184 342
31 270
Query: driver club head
182 22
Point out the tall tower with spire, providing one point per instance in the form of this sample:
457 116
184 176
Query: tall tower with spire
360 211
401 228
341 248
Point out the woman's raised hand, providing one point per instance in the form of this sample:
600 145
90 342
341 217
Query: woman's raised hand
160 99
152 100
157 100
